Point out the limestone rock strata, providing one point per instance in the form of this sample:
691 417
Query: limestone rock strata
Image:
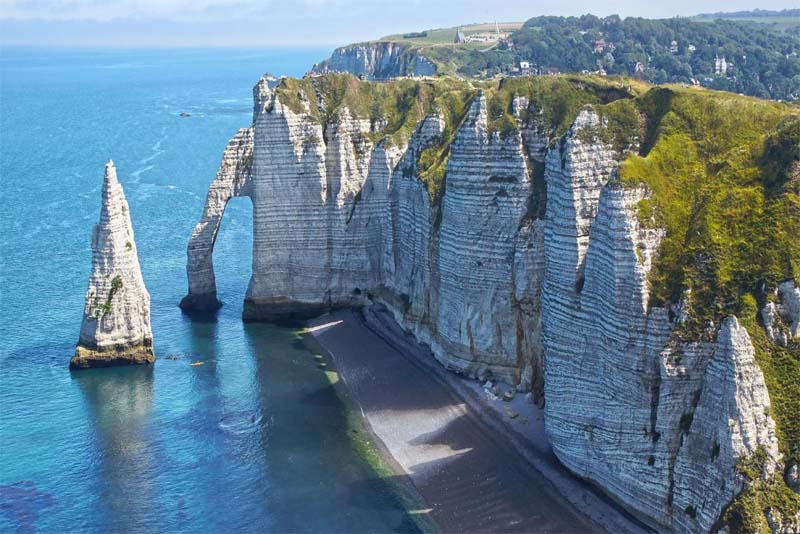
488 185
233 179
116 317
730 421
312 248
657 423
379 60
530 267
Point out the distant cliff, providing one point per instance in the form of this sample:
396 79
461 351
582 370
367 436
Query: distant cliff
612 247
378 60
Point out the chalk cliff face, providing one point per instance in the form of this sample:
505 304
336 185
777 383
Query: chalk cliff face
377 61
660 424
529 265
116 318
232 180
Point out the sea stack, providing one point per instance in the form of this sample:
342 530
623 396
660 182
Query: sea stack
116 317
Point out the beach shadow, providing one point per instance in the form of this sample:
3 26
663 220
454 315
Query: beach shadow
484 485
325 396
470 475
381 494
375 367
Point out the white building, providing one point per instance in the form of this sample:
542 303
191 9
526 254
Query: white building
720 65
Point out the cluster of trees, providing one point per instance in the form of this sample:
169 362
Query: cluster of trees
471 62
759 61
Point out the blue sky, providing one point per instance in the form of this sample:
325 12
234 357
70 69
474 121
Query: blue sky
126 23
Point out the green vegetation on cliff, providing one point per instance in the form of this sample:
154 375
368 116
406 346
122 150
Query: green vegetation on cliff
724 176
395 109
747 514
722 172
402 104
731 214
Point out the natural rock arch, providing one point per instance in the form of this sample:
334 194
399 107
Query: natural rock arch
233 179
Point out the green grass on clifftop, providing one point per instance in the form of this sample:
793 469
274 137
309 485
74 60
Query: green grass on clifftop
724 173
403 103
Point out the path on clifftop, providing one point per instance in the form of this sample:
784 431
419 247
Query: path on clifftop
472 480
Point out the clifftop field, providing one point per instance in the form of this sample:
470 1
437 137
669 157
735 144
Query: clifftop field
447 36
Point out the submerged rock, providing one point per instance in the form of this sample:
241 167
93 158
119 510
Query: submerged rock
116 317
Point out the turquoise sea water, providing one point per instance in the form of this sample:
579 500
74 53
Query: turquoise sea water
254 439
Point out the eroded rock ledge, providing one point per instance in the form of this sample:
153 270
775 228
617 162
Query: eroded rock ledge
498 231
116 317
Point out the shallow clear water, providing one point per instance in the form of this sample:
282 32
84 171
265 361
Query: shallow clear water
255 439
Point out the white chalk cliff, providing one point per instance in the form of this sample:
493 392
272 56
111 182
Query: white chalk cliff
378 60
232 180
116 317
553 299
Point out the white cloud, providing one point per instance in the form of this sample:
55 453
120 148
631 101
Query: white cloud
294 22
103 10
283 10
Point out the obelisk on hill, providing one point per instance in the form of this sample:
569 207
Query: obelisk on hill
116 316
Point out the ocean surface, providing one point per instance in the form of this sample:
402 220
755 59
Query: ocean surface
255 439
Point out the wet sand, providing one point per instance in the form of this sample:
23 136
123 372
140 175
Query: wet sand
475 472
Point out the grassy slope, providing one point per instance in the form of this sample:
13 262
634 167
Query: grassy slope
725 178
437 45
723 171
